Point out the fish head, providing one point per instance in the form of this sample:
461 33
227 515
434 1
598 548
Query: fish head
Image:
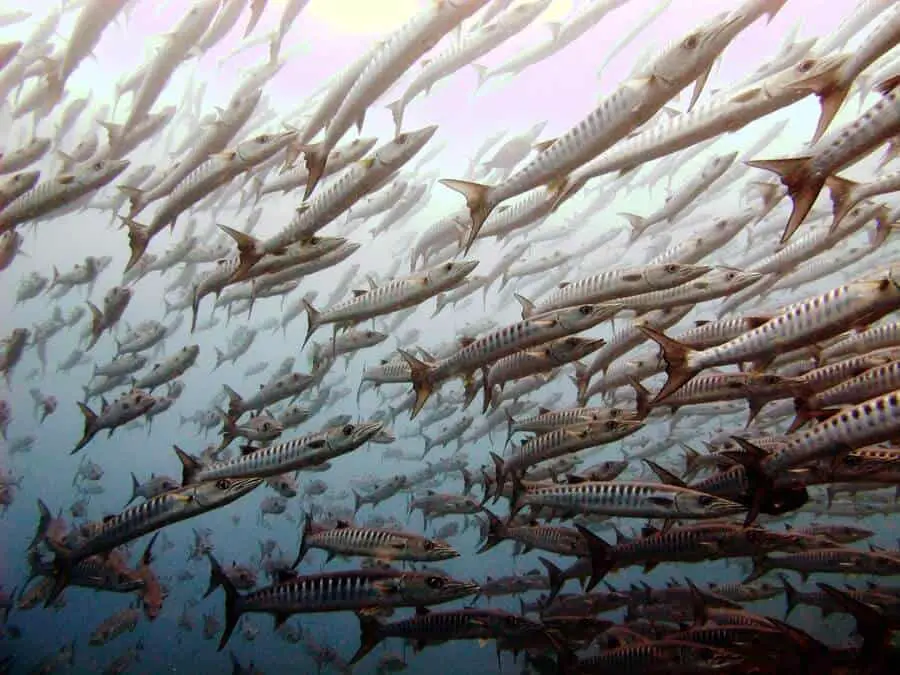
814 74
211 494
431 587
690 57
719 163
265 427
703 504
102 171
404 146
263 146
353 435
450 272
729 279
580 318
23 181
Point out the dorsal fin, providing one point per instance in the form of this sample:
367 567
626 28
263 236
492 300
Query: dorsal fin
665 476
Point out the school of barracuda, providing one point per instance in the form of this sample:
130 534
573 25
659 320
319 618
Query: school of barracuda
735 355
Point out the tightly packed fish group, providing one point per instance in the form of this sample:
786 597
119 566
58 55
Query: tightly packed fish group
746 314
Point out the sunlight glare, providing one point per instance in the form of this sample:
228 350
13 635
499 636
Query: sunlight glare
364 16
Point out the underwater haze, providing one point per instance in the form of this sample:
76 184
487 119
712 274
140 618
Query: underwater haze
449 335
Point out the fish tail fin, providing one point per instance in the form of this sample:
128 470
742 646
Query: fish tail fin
396 109
315 157
566 190
233 610
147 555
429 444
369 636
96 321
138 240
870 623
90 426
249 250
676 356
556 577
304 544
841 198
480 208
641 398
135 489
803 414
830 102
499 474
313 320
495 534
637 223
113 132
582 380
803 190
691 458
601 556
510 428
420 373
357 502
40 532
483 74
527 305
220 359
189 466
790 596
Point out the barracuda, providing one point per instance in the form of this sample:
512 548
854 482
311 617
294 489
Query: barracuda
560 442
393 296
55 193
346 540
804 177
800 324
484 351
630 105
154 514
630 499
729 112
614 285
549 420
299 453
335 592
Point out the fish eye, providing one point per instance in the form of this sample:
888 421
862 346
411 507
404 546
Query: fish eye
263 139
435 582
448 266
730 276
584 310
671 268
806 66
347 430
266 426
96 166
223 483
429 545
705 500
401 139
691 42
611 426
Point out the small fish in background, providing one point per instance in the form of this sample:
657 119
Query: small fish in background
44 405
